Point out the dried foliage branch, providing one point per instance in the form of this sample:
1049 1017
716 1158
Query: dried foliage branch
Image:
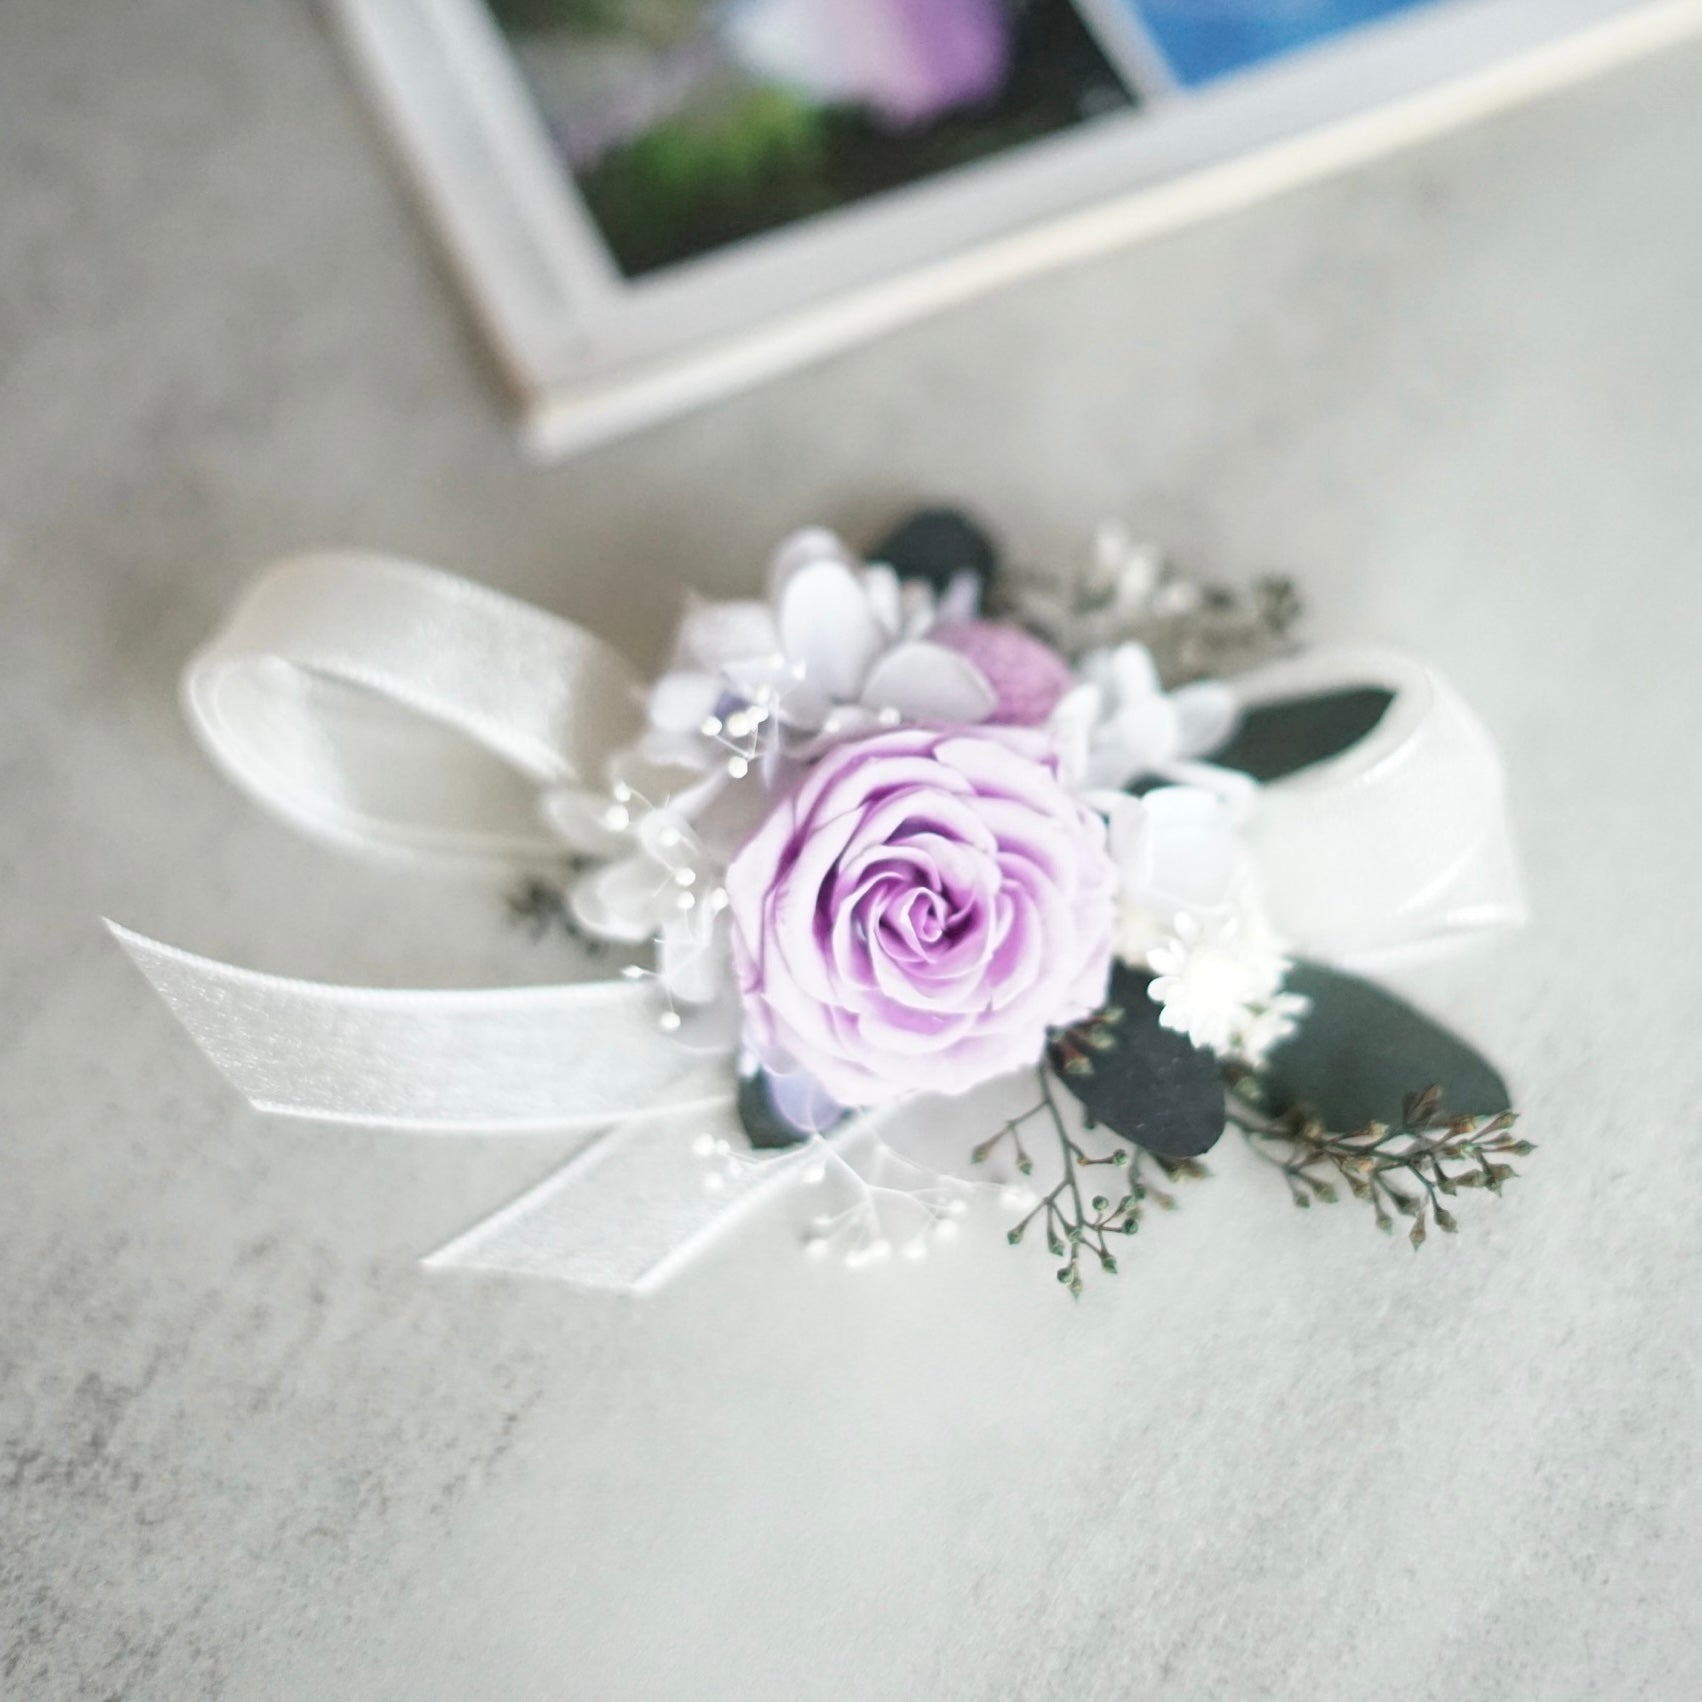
1407 1169
1079 1220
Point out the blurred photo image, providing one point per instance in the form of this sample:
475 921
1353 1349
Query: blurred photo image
690 124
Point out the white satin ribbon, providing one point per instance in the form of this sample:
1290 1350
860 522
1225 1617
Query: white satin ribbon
514 1059
627 1211
1398 846
397 710
392 709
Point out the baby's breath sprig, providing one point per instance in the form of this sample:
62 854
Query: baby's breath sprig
1407 1169
1078 1220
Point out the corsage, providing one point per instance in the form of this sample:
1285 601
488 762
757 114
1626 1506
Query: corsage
1107 854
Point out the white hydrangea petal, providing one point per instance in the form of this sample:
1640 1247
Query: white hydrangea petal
1150 729
779 770
961 599
827 625
712 635
1196 856
1196 874
666 770
692 959
1140 738
1107 768
1187 809
1070 727
1140 934
666 837
1142 729
886 598
927 682
681 701
918 613
619 901
844 720
808 544
1206 713
1131 839
1142 926
588 822
1134 673
754 678
1095 668
1143 733
722 825
1239 792
803 706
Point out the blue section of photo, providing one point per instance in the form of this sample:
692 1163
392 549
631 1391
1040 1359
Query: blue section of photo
1203 39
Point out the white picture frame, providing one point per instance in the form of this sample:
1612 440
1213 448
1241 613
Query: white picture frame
591 354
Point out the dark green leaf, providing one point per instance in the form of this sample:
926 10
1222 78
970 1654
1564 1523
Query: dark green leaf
1277 739
935 543
1361 1051
1152 1086
765 1128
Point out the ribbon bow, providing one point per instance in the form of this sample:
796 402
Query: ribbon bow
397 711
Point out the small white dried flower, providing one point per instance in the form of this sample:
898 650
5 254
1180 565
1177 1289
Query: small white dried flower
1220 983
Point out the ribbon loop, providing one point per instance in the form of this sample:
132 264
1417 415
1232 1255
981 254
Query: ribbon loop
389 708
394 709
1398 845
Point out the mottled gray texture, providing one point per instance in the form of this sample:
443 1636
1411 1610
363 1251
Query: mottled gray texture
249 1450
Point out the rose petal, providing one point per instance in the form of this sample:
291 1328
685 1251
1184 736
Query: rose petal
920 910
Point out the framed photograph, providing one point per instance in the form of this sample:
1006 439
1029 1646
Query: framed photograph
653 202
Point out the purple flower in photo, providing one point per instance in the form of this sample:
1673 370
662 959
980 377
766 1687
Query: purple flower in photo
907 60
919 911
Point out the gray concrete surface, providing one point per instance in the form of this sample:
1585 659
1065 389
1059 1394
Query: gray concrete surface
249 1450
